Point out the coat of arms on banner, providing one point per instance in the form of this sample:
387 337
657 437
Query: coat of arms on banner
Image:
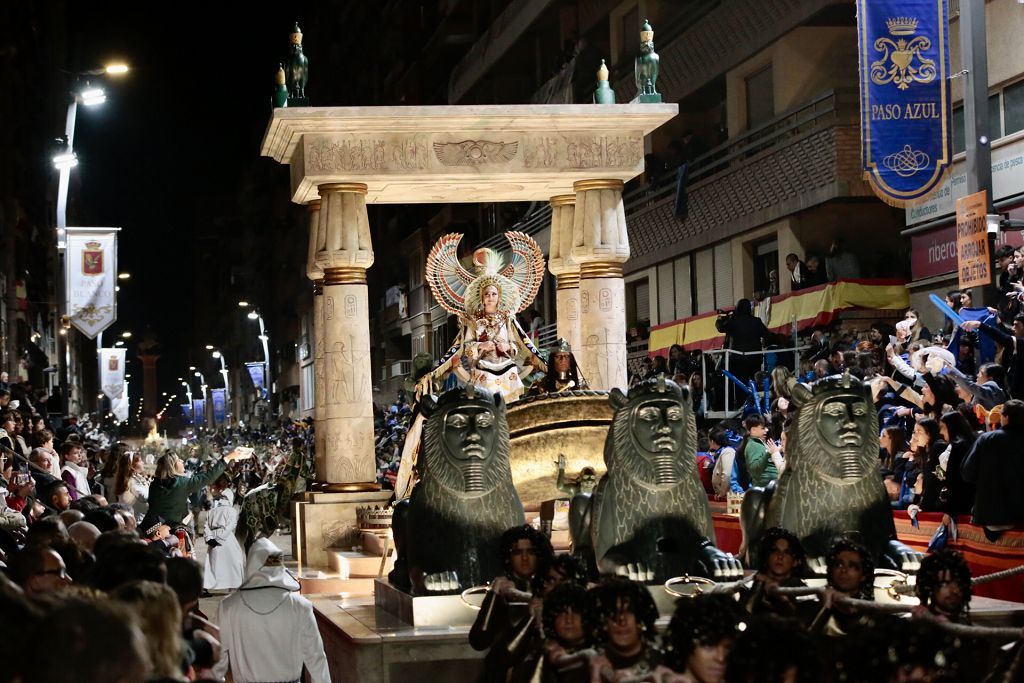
113 363
92 259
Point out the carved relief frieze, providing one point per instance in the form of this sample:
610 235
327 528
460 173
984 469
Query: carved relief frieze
326 155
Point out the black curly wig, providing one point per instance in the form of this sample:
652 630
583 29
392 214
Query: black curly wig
703 620
769 648
617 594
565 564
867 582
541 545
933 566
767 543
572 596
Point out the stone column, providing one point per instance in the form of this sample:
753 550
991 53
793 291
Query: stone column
600 245
316 275
565 270
343 253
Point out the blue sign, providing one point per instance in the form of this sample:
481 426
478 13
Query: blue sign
905 109
199 410
219 398
186 412
256 373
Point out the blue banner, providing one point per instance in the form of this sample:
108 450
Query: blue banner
219 399
199 411
186 413
256 372
905 111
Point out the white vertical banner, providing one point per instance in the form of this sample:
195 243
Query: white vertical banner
112 372
119 405
91 275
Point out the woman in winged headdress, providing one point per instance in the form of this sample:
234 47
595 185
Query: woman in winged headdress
491 349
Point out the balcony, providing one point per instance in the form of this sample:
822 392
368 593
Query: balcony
802 158
721 39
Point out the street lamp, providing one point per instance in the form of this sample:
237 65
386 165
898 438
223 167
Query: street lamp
264 339
223 373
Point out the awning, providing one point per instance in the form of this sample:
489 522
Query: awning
811 307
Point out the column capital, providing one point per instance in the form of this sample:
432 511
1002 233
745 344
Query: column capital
563 200
599 233
560 261
343 229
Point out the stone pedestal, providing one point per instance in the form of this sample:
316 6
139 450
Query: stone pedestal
343 253
325 523
600 247
149 384
565 270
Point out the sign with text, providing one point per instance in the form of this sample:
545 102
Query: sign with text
973 261
906 113
91 275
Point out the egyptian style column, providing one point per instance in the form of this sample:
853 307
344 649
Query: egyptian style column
343 253
565 270
316 275
600 245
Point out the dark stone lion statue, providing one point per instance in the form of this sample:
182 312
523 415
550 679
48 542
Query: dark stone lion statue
448 532
830 486
650 517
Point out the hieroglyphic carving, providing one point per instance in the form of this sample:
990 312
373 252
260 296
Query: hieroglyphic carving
328 307
475 152
541 153
327 155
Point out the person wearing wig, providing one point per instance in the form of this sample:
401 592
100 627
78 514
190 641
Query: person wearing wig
699 638
625 630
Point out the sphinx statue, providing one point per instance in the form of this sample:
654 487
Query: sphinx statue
649 515
447 533
830 486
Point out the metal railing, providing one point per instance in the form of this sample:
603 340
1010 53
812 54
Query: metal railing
726 412
769 135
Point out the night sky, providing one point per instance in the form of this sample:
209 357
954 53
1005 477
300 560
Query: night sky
166 149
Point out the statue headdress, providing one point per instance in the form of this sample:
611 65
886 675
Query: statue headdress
459 291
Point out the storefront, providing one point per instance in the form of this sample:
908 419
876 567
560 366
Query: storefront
931 226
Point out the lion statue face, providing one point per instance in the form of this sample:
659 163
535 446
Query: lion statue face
654 433
836 431
465 442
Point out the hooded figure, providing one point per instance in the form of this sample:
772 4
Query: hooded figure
268 631
224 559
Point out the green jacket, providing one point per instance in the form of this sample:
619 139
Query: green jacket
168 498
759 463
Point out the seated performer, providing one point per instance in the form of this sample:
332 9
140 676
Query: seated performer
781 559
851 574
506 624
944 586
491 349
625 626
699 638
563 373
569 624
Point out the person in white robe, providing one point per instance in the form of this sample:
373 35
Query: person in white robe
268 631
224 557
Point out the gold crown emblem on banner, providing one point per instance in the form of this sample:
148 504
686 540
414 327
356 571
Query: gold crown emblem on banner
902 26
93 245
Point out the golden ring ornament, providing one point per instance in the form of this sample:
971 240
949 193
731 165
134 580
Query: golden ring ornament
698 584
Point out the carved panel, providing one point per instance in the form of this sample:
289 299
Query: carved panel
326 155
475 152
605 151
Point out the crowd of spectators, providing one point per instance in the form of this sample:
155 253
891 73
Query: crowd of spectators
390 425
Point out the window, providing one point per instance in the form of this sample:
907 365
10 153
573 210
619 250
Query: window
638 302
307 387
766 260
1013 108
760 98
995 126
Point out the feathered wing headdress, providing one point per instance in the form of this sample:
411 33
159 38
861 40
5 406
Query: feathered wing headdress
460 292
